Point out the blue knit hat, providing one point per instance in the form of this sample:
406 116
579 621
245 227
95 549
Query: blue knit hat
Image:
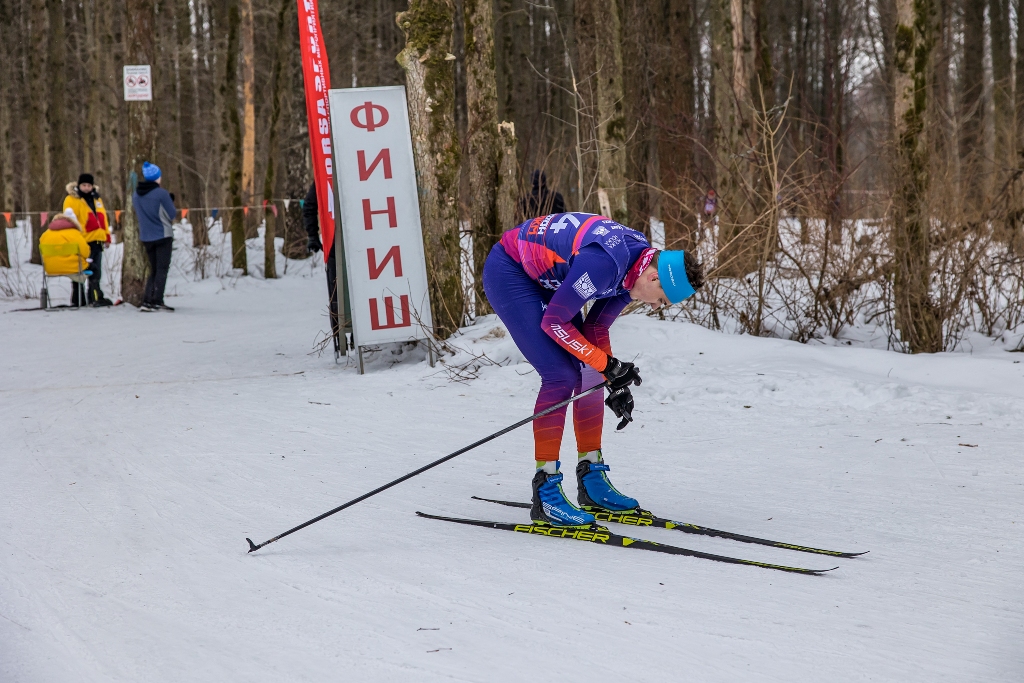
150 171
672 273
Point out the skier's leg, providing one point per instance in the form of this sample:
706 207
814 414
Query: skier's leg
594 490
588 412
162 266
149 293
96 254
520 302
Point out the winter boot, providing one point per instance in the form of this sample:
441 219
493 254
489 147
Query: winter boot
550 506
595 493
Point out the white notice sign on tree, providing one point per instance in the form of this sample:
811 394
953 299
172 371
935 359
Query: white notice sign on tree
380 214
138 83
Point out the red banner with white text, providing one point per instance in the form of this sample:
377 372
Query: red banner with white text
316 77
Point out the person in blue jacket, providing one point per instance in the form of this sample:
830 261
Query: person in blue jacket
155 210
538 278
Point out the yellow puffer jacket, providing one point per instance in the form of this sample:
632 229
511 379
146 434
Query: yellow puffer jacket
96 225
62 246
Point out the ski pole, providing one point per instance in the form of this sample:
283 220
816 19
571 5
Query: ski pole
410 475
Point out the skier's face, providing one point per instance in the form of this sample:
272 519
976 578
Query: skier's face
647 288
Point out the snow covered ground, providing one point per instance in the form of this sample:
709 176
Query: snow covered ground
139 450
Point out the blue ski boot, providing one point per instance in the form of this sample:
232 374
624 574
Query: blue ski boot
595 492
550 506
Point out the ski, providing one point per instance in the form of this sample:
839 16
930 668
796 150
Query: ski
645 518
601 535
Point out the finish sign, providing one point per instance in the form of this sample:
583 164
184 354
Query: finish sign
380 215
138 83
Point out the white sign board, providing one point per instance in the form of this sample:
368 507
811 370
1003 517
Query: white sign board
138 83
380 214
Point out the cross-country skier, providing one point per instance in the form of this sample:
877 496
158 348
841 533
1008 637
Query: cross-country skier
538 278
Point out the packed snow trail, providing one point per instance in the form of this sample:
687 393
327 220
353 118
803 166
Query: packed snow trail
140 449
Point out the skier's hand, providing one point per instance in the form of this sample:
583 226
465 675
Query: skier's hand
621 402
621 374
314 245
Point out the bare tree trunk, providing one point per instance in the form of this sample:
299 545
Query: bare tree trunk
295 148
674 118
91 136
112 121
57 80
1018 91
7 93
430 83
1002 99
599 41
972 108
917 318
508 177
248 70
233 137
737 143
482 144
270 180
192 191
35 106
142 128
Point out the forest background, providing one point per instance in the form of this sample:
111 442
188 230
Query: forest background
837 164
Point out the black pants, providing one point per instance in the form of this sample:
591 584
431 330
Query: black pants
78 294
332 293
96 254
159 253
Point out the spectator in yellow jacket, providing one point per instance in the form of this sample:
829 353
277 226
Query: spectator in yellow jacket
65 252
84 199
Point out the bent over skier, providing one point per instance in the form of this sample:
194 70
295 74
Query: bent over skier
538 278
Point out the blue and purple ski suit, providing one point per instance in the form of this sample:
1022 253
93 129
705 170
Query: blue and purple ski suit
537 279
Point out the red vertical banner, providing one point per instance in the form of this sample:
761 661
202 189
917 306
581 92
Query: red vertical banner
316 77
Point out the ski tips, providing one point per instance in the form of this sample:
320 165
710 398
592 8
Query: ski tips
252 546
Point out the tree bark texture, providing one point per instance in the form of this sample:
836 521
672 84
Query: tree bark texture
740 179
508 177
674 123
248 74
56 111
233 139
917 317
273 218
35 106
1002 88
191 182
972 108
483 150
8 55
142 129
430 83
599 42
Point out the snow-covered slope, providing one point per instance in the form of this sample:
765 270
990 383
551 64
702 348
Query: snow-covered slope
139 450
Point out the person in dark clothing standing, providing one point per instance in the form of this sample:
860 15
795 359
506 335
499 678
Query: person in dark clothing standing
541 201
155 210
84 200
311 220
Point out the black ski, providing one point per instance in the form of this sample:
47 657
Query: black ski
601 535
647 519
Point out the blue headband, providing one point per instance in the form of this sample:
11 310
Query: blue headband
672 273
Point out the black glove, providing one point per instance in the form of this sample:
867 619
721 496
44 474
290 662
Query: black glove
313 245
621 402
621 374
